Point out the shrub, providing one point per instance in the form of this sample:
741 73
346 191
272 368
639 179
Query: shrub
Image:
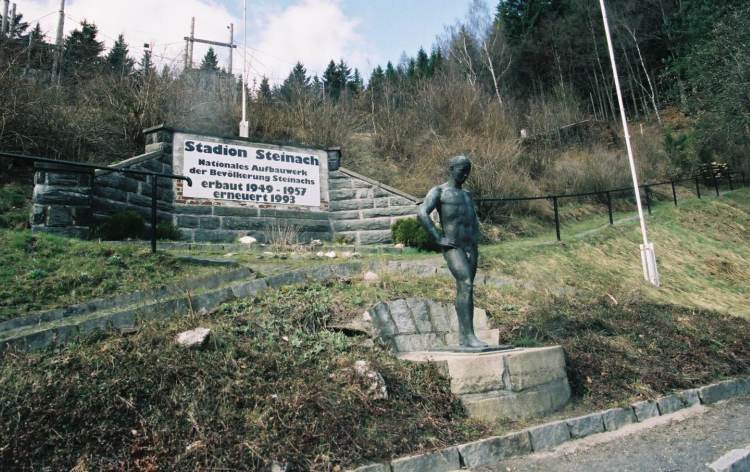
410 232
168 231
125 225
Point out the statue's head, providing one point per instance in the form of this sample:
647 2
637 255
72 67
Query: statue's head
459 168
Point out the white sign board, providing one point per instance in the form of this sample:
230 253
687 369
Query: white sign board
251 174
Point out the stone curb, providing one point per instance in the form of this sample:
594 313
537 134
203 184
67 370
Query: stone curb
549 435
736 460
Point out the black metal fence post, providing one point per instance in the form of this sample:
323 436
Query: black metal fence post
557 217
716 183
674 193
731 184
647 191
743 178
609 208
698 186
153 214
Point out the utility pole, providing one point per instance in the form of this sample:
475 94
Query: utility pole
4 26
28 54
57 62
244 125
648 257
231 47
191 39
11 21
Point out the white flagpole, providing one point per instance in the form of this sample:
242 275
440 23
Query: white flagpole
648 257
244 126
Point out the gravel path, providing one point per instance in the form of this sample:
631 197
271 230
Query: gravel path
677 446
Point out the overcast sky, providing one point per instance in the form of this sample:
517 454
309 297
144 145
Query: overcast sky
364 33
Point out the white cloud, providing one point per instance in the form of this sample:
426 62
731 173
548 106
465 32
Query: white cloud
313 32
310 31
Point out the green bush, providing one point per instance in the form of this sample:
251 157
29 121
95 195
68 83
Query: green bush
125 225
168 231
410 232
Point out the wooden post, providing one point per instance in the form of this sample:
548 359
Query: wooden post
557 217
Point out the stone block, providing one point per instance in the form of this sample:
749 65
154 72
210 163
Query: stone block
549 435
209 300
209 222
743 386
38 215
494 449
531 367
374 237
249 289
193 338
62 179
381 202
534 402
669 404
445 460
343 205
440 317
390 212
421 314
60 216
362 225
287 278
235 211
343 194
78 232
402 317
214 236
382 321
83 216
689 397
416 342
616 418
48 195
372 468
585 425
645 409
239 223
116 180
188 221
193 209
736 460
717 392
356 183
345 215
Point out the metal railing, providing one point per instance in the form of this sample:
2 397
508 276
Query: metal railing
80 166
716 180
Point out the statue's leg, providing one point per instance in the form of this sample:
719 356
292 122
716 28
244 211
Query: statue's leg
463 269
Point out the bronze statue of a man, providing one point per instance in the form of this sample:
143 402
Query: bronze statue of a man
459 241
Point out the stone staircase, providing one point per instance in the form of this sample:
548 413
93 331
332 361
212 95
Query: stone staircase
511 384
122 313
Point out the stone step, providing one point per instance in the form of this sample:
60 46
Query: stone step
503 404
124 317
512 384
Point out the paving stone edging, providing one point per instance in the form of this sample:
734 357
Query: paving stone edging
550 435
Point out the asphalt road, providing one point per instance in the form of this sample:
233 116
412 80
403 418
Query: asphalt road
688 442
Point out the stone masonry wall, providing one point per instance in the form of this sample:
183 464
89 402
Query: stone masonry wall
362 210
114 192
62 200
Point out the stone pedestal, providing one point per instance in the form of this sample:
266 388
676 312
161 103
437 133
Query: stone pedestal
515 384
62 200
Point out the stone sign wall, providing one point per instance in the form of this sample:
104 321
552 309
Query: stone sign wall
263 189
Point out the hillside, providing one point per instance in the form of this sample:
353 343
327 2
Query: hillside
275 384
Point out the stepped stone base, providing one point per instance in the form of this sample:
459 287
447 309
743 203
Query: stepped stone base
515 384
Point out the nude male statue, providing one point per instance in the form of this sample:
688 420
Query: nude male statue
458 241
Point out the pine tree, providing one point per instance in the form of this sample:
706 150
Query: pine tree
331 83
297 82
391 74
422 64
81 52
377 78
356 84
17 27
117 59
210 61
147 64
264 91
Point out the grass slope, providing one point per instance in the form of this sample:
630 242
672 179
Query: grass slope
39 271
274 384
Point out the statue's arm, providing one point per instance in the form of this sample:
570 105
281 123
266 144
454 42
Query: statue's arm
429 204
